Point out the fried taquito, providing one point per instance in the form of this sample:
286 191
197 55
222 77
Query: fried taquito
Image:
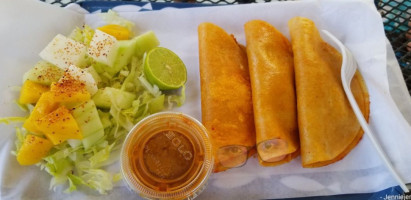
226 103
270 60
329 129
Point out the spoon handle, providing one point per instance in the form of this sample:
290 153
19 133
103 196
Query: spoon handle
374 141
348 68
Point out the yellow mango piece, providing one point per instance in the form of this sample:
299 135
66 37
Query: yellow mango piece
33 150
69 90
44 106
59 125
31 92
117 31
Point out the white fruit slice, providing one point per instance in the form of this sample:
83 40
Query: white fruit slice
85 77
64 52
103 48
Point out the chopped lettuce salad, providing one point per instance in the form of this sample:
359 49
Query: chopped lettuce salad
83 97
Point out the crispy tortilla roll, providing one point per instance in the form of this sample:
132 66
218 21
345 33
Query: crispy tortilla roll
270 59
226 103
328 127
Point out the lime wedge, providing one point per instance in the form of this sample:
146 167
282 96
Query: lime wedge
165 69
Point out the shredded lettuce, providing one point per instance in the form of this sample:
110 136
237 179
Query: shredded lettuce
83 35
99 179
77 166
178 99
150 88
8 120
20 135
23 107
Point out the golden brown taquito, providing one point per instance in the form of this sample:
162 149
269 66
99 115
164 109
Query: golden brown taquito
329 129
270 60
226 102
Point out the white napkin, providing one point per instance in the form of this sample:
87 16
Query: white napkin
356 23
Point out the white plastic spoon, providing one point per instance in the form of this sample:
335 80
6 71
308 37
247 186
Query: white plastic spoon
348 69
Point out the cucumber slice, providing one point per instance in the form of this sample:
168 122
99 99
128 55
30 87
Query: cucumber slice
145 42
125 52
157 104
80 110
104 98
129 48
93 138
105 119
44 73
74 143
88 119
90 127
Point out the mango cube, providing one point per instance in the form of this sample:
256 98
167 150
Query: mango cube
44 106
119 32
31 92
59 125
69 90
33 150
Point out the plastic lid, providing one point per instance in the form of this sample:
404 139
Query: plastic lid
167 155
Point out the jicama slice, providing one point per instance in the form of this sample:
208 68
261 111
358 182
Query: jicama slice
63 52
103 48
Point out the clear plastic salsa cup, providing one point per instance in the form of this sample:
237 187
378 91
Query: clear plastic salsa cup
167 156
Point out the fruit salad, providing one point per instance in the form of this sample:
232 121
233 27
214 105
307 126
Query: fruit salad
85 94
